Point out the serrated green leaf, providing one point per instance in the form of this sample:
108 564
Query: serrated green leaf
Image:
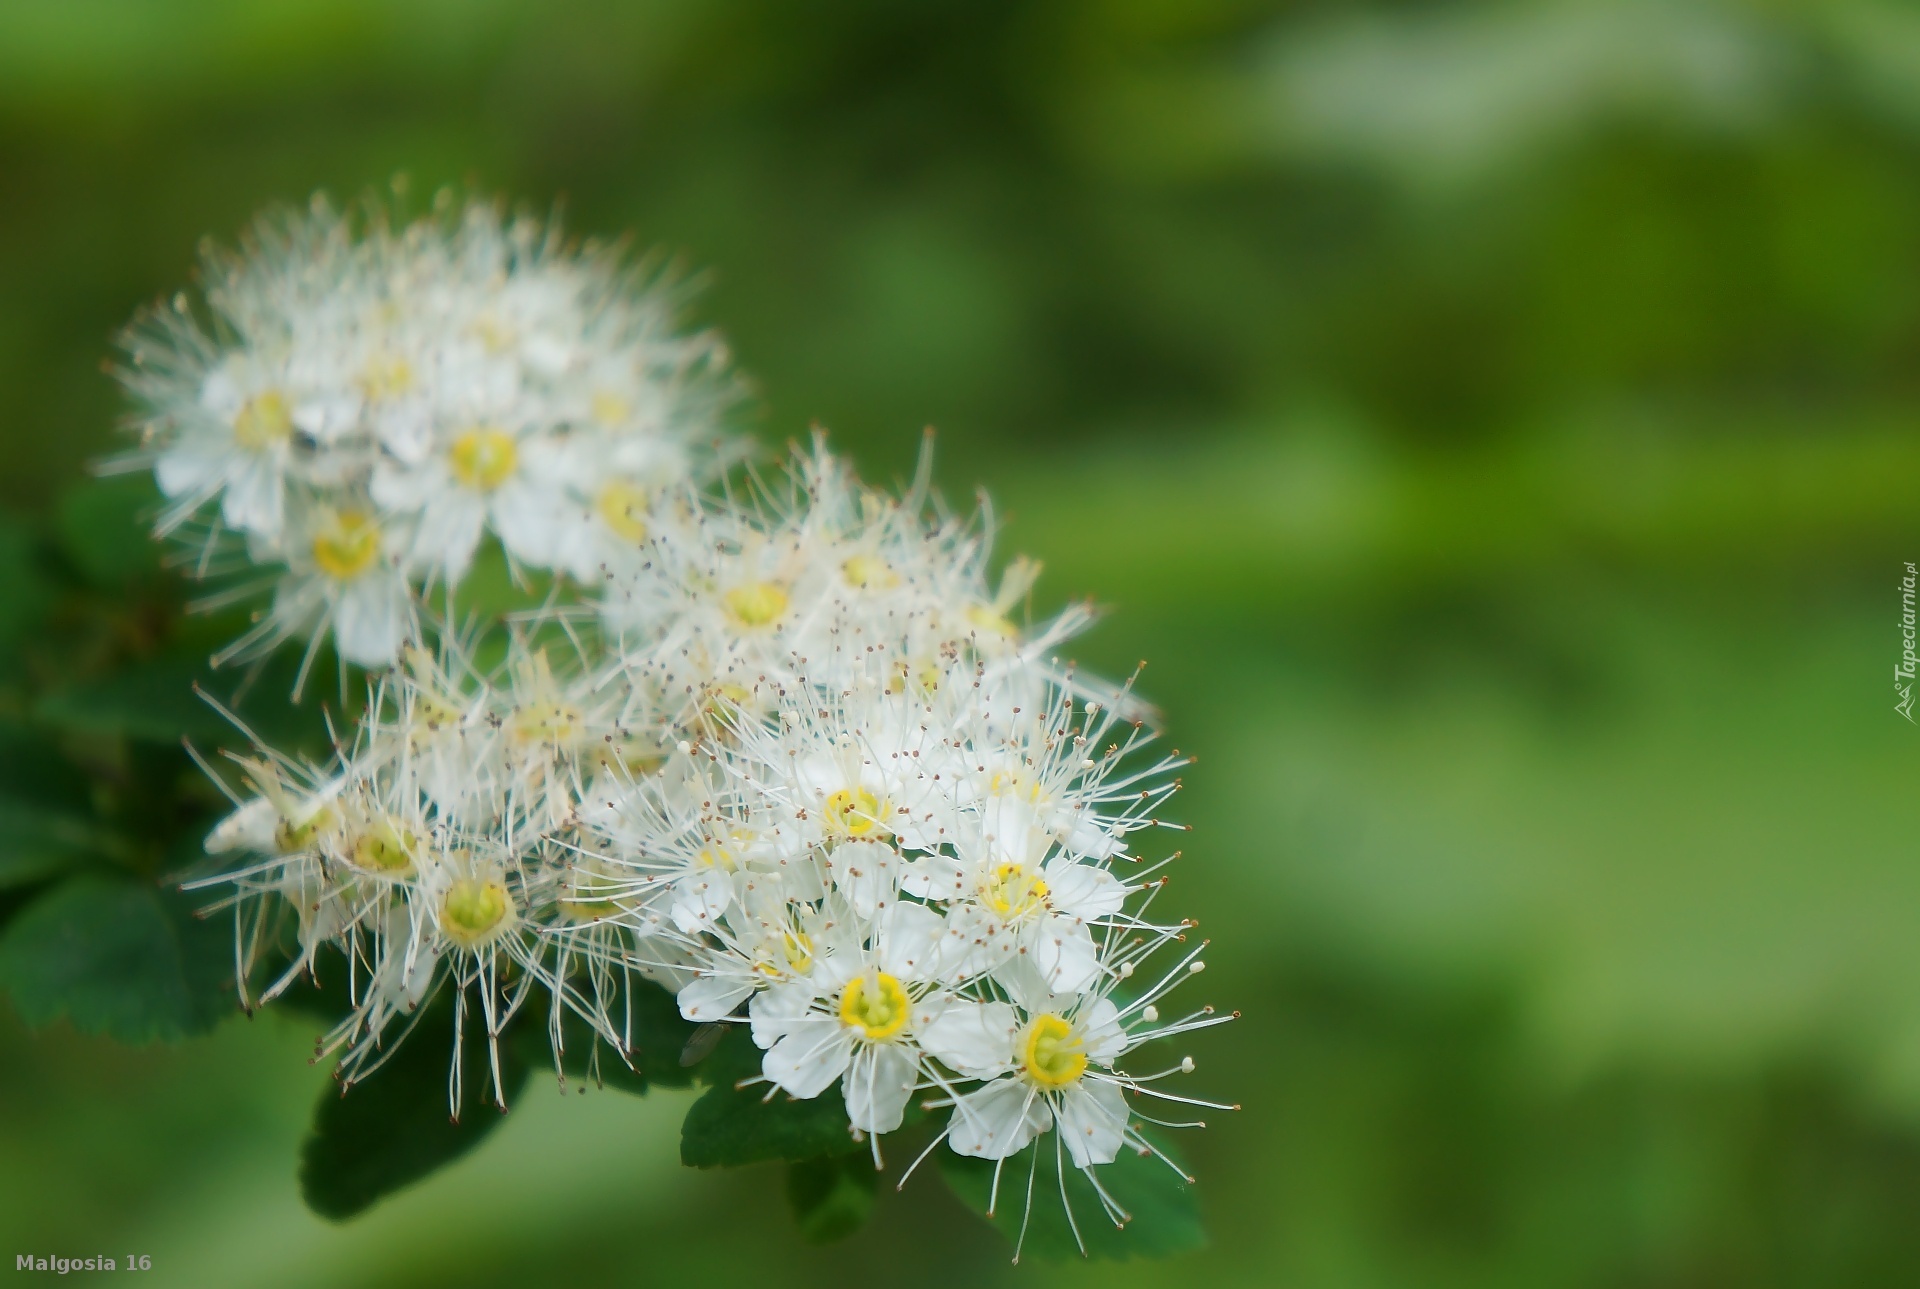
729 1126
1164 1218
831 1197
118 957
392 1129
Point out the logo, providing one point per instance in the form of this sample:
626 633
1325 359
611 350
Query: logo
1903 670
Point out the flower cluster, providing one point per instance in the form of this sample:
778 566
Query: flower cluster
788 752
363 405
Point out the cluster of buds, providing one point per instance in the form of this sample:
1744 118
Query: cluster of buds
784 748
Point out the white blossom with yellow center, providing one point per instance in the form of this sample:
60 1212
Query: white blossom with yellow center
1012 899
856 1017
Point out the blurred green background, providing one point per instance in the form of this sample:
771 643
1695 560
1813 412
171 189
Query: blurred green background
1495 421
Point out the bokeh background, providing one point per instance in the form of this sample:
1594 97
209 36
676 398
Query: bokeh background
1495 421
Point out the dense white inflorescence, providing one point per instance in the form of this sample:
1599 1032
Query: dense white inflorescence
784 749
358 405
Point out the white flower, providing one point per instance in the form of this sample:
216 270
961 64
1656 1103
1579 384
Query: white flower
1009 900
344 576
783 751
240 450
1052 1068
1053 1063
434 376
475 480
855 1018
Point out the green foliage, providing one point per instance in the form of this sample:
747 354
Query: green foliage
1455 400
47 822
103 531
394 1128
832 1196
1163 1216
117 956
155 700
24 592
732 1125
36 843
660 1037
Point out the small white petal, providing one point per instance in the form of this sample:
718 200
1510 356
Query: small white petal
1092 1115
997 1120
879 1083
712 998
976 1039
812 1053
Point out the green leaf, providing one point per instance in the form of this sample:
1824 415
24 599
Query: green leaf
666 1047
831 1197
1164 1218
118 957
23 589
152 700
166 697
393 1129
723 1060
47 820
585 1057
36 844
729 1126
659 1058
103 529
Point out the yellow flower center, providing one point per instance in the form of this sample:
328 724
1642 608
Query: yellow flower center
1014 783
856 812
870 573
798 947
263 421
757 604
728 693
386 849
494 333
796 950
1014 890
546 721
637 756
347 545
994 624
876 1004
483 458
623 508
925 678
386 377
609 408
1051 1053
290 838
473 911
